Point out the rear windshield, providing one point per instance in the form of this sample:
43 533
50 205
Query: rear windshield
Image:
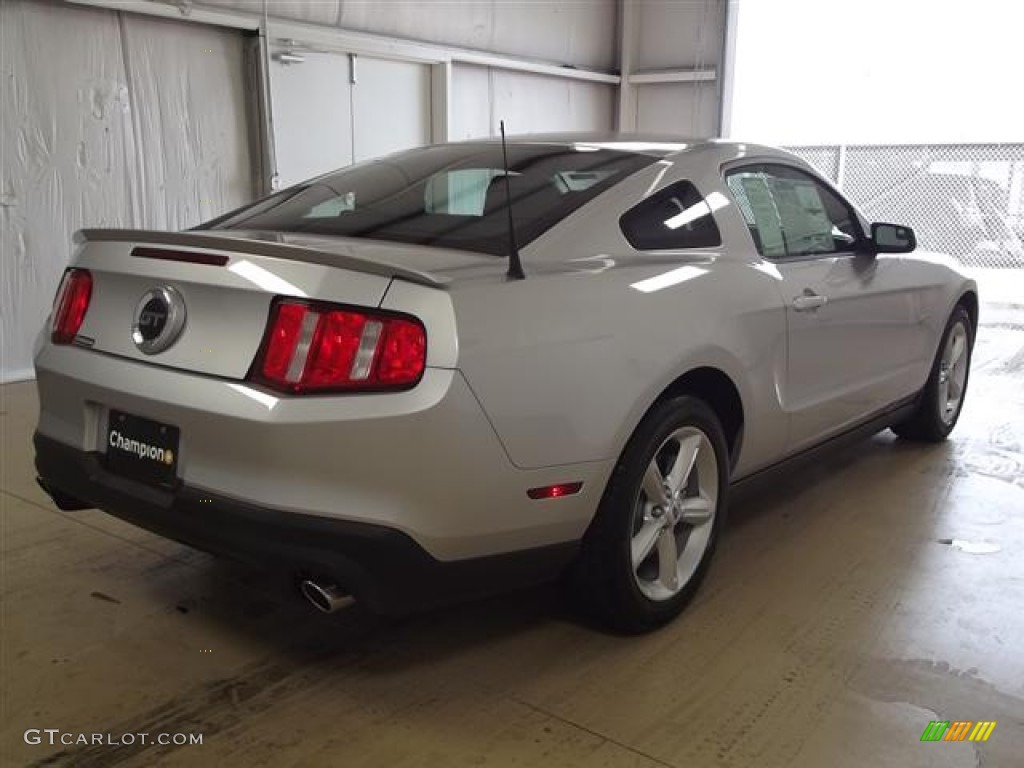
451 196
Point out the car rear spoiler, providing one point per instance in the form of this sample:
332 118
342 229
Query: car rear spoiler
259 244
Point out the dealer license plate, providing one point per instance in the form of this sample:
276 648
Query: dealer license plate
141 449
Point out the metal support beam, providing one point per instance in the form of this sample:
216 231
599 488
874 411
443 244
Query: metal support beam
626 113
194 13
536 67
674 76
441 101
268 149
727 68
315 37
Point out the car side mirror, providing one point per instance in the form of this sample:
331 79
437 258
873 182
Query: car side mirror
892 238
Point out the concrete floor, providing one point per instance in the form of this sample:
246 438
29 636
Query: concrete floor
835 624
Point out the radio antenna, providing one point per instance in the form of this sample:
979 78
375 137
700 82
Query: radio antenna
515 266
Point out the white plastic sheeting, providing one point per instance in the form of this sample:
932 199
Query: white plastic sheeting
527 103
580 33
107 119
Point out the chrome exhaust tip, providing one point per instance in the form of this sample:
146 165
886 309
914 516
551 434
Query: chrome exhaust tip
325 597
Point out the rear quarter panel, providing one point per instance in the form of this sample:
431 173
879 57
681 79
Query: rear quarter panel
566 362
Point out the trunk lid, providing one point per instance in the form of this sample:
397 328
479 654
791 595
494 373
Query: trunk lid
224 285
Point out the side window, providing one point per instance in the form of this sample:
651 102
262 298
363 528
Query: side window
458 192
333 207
790 213
754 199
675 217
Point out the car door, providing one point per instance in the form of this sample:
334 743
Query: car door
849 319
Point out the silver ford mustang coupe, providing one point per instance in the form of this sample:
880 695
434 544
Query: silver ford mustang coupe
467 367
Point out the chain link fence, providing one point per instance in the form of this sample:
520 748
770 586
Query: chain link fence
966 200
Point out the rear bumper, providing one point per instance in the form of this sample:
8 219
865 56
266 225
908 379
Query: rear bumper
425 462
381 566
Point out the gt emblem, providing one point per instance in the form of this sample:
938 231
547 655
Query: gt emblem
159 320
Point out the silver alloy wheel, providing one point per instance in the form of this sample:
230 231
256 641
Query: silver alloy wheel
953 373
674 513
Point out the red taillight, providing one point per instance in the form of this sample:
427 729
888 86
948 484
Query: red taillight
313 348
70 306
283 338
333 352
403 352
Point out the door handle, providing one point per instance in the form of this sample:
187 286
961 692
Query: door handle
809 302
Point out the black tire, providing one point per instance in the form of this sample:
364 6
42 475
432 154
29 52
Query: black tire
928 422
604 578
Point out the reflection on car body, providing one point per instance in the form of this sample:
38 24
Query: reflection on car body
353 389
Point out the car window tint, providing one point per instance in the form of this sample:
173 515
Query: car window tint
677 216
790 213
451 195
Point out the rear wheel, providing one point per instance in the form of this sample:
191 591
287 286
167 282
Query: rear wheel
653 536
943 395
